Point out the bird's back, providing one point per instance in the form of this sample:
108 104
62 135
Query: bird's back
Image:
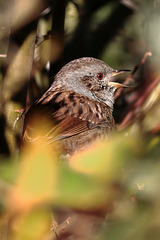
73 120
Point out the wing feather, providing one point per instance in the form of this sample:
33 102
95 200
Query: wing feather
68 114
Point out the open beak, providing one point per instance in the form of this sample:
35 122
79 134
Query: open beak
116 72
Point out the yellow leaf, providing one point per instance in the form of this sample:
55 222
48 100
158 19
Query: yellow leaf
106 158
36 178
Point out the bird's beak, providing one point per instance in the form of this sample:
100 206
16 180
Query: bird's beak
116 72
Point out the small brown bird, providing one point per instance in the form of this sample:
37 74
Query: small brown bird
78 106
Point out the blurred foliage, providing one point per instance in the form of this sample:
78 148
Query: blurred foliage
110 190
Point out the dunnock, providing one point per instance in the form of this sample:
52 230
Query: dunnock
78 106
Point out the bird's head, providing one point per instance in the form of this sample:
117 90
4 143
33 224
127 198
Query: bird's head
90 77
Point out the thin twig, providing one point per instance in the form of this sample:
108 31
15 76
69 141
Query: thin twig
62 229
132 113
118 93
155 130
130 4
3 55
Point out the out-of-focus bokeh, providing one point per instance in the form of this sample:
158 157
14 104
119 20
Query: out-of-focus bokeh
111 190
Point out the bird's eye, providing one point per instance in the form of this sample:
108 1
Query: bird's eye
100 76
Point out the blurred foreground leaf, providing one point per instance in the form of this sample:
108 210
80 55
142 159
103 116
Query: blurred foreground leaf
32 225
121 173
106 159
36 178
82 192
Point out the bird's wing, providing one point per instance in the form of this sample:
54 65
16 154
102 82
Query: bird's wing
67 114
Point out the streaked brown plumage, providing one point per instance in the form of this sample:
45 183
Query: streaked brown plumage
78 105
